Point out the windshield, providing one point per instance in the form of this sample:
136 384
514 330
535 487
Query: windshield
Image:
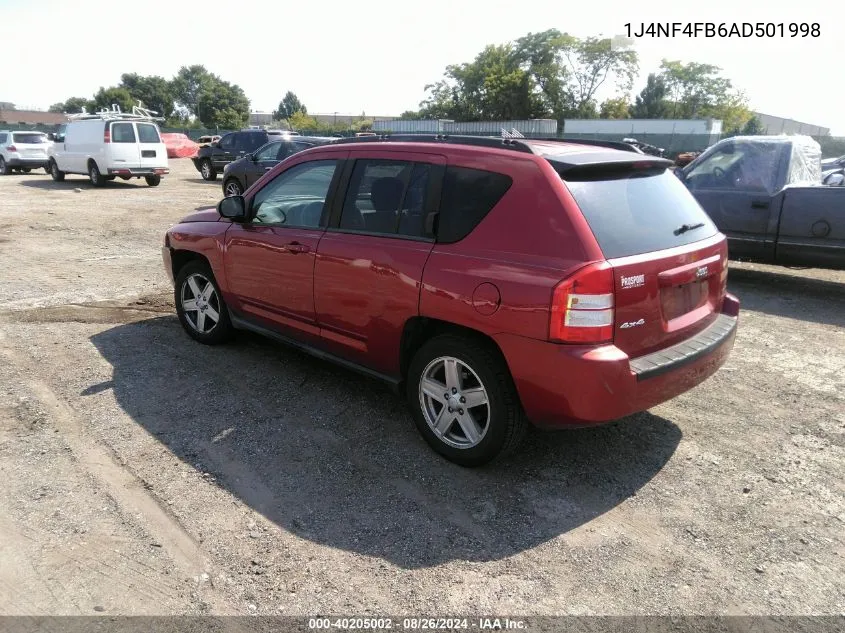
31 138
632 212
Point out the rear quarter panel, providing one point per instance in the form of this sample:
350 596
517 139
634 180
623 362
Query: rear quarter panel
500 277
811 231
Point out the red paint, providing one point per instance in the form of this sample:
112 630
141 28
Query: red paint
353 294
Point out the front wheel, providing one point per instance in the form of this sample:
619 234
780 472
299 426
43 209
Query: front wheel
232 188
153 181
207 170
95 176
57 174
464 401
200 306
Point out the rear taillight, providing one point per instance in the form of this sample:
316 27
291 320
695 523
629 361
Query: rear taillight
12 148
107 136
582 306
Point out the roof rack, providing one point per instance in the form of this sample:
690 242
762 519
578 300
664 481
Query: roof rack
507 141
138 113
482 141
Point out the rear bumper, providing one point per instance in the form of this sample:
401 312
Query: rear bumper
571 386
139 171
29 163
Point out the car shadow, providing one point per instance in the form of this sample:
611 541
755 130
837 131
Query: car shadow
71 182
334 458
792 296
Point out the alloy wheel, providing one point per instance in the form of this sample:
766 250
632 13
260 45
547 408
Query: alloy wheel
200 303
454 402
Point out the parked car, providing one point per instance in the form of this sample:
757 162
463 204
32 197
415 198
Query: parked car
108 145
23 151
244 172
494 282
202 141
766 194
212 159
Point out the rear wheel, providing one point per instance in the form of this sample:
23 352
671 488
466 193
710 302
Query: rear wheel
57 174
207 170
200 306
4 167
94 175
232 188
464 401
153 181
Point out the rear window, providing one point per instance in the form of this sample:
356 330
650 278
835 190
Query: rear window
148 133
28 138
631 213
122 133
468 196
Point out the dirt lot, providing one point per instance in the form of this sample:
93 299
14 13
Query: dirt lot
146 474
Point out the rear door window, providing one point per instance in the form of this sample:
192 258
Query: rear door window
148 133
468 196
122 133
632 212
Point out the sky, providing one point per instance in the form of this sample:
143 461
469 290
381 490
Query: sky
377 57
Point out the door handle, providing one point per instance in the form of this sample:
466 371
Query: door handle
760 204
267 168
296 247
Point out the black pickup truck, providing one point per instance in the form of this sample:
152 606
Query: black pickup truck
765 194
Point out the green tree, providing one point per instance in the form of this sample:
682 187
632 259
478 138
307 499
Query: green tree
753 127
410 115
153 92
651 103
301 121
223 105
188 86
107 97
541 74
617 108
288 106
74 105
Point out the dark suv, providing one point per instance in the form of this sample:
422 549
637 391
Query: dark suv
212 159
241 174
494 281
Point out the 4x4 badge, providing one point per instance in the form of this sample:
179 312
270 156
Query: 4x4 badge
630 324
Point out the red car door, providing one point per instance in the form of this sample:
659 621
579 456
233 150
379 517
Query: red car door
269 261
370 260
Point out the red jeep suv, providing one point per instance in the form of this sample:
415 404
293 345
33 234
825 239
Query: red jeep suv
495 281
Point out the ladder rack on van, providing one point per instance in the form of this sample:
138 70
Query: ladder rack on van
138 114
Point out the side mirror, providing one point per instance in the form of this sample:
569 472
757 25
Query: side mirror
232 208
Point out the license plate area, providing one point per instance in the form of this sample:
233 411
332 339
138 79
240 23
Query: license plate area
148 153
682 299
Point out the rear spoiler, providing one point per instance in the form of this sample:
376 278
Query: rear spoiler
611 162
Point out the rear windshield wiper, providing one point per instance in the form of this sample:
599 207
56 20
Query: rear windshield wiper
688 227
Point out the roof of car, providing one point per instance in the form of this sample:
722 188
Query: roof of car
563 153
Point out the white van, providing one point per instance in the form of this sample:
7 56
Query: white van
108 145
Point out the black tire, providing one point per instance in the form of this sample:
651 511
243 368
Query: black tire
153 181
207 170
505 419
4 167
222 330
94 175
232 188
47 170
57 174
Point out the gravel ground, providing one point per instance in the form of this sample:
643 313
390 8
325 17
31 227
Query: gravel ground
146 474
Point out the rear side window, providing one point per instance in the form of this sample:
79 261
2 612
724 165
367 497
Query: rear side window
468 196
28 138
250 142
122 133
3 137
631 213
148 133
